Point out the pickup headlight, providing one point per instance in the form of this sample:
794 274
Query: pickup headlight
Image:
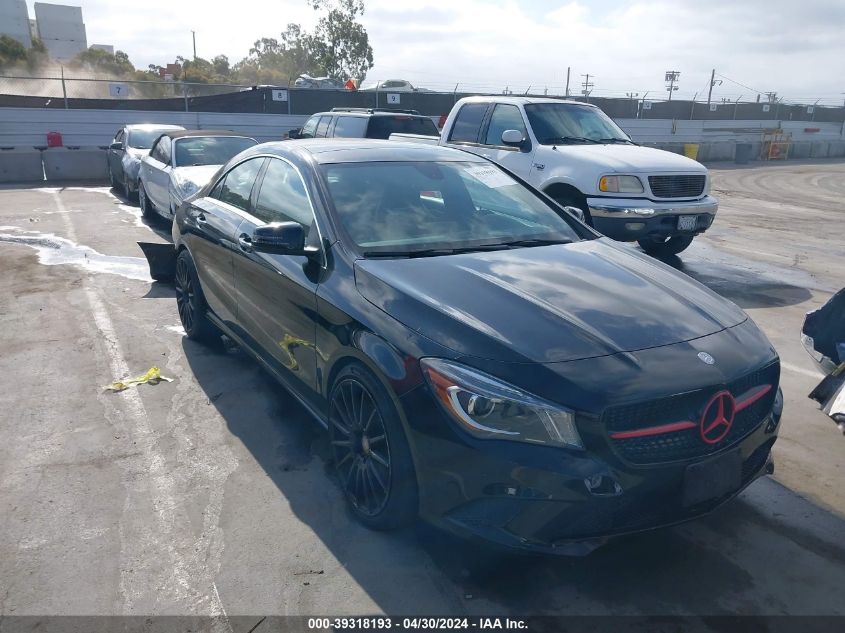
490 409
620 184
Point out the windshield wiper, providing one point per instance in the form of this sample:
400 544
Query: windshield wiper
434 252
616 140
568 139
536 242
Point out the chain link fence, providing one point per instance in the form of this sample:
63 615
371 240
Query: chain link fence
121 94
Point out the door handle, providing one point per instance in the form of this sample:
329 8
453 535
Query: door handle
201 219
245 242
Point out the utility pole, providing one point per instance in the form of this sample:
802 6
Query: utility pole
568 68
588 86
194 35
712 83
633 96
671 77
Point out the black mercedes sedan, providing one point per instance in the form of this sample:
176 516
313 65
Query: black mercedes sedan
480 358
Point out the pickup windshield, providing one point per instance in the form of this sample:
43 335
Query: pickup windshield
426 209
562 123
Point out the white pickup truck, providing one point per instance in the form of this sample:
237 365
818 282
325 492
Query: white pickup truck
577 155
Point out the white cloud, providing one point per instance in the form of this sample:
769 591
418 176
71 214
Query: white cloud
794 48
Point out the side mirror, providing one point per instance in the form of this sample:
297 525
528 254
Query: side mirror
117 146
280 238
294 133
576 212
512 137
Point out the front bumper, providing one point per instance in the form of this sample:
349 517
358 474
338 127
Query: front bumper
554 501
630 219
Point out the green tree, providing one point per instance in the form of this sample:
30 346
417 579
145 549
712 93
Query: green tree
339 44
12 52
272 61
117 64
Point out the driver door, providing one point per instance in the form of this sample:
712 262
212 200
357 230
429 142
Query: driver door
277 294
519 160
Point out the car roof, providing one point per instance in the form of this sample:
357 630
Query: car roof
350 150
365 112
152 126
184 133
522 100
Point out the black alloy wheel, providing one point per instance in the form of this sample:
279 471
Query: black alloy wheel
370 451
190 301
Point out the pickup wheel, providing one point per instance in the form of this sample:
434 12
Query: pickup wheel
665 246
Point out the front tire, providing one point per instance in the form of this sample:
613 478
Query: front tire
144 202
112 181
370 451
127 190
190 301
667 246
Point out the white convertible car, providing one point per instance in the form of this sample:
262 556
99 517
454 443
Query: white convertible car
180 163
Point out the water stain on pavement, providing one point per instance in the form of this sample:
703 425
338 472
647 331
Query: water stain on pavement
53 251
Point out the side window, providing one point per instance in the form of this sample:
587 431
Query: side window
164 149
237 186
350 127
323 126
468 123
310 128
155 152
282 197
118 138
505 117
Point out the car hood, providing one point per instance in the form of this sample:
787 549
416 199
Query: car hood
628 158
198 174
545 304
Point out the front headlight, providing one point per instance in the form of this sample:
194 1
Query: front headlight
185 188
620 184
490 409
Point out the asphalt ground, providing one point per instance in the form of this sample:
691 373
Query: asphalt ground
210 494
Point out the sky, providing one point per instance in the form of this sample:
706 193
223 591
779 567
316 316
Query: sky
795 48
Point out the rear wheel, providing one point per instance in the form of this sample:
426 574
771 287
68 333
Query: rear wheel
663 247
370 451
193 310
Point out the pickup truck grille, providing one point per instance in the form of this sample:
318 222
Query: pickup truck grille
683 186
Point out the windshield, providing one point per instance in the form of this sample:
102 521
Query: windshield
403 208
555 123
383 126
144 139
209 150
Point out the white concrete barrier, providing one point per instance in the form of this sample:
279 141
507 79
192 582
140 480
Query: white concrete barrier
85 163
21 165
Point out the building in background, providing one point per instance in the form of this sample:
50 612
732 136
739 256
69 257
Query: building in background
14 21
61 29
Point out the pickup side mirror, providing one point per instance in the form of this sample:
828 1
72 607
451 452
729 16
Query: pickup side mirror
294 133
117 146
280 238
513 138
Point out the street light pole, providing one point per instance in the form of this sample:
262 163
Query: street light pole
194 35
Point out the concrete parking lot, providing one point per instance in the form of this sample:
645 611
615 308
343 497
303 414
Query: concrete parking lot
210 494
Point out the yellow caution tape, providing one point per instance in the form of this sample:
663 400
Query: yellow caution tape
153 376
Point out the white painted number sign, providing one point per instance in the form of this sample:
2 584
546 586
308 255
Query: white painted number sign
393 98
280 95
